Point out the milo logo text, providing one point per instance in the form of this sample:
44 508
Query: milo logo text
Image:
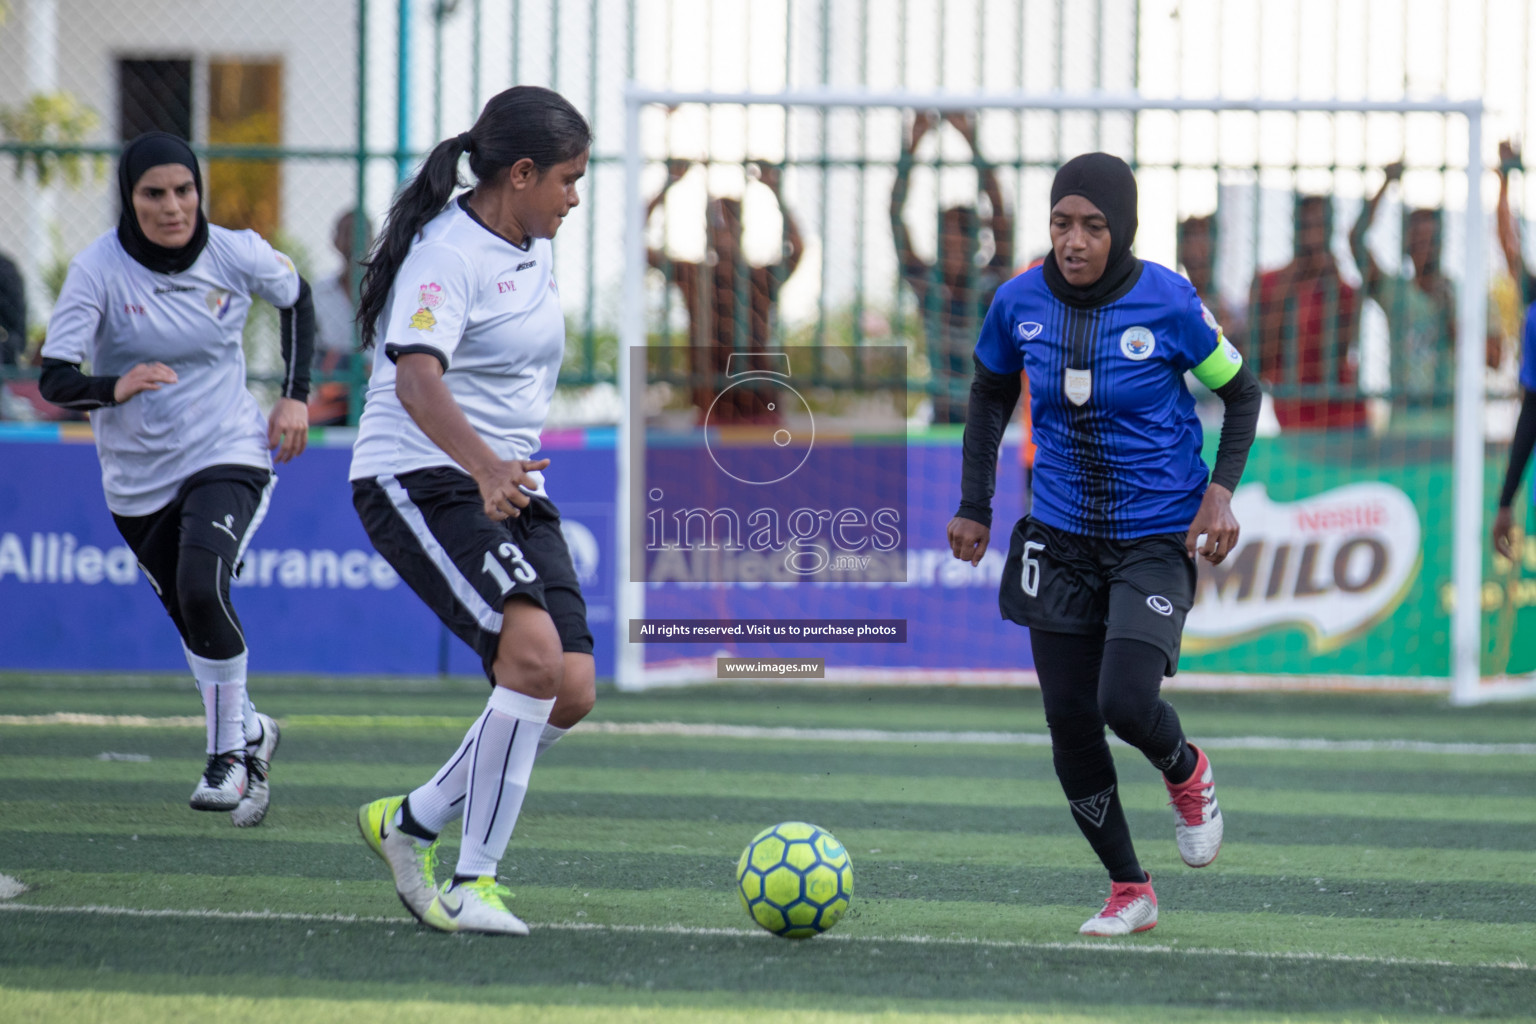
1333 565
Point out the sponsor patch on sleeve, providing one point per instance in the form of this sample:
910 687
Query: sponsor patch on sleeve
1209 318
428 298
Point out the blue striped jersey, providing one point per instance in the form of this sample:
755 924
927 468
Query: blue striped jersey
1116 431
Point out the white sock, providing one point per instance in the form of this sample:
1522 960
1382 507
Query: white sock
222 684
506 740
440 801
253 726
549 737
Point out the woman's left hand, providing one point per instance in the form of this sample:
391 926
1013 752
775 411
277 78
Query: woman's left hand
1216 521
288 429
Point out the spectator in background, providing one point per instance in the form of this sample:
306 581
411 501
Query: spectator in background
1421 310
1509 227
334 311
730 302
1197 255
13 313
1511 307
1302 324
955 291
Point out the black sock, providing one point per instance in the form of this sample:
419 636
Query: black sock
1181 764
410 826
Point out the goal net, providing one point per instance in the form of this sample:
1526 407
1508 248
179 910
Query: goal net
856 240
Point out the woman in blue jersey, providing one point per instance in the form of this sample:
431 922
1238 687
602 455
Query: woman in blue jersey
460 295
1102 571
1520 447
157 306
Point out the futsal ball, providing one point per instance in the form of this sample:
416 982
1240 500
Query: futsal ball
795 879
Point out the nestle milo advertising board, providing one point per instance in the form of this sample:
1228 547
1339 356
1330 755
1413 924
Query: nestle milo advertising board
1345 562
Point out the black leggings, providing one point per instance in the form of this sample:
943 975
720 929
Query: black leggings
1088 683
188 551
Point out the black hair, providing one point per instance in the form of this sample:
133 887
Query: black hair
524 122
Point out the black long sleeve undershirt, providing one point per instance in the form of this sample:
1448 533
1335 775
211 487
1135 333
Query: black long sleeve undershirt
64 385
1242 398
1520 448
298 343
993 397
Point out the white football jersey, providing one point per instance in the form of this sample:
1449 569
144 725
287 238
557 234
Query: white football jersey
115 313
490 312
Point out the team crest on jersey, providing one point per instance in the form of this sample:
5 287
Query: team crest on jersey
1030 331
1078 385
217 301
1137 343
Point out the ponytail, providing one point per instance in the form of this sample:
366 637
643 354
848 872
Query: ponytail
417 203
524 122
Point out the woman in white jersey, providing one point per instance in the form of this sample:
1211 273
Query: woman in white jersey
461 296
157 306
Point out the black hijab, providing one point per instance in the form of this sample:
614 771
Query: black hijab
153 149
1107 182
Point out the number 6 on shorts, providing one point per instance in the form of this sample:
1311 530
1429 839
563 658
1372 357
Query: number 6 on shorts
1029 580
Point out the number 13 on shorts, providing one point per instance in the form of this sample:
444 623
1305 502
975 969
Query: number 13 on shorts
1029 579
513 555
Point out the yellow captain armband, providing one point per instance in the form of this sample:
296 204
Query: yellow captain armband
1220 366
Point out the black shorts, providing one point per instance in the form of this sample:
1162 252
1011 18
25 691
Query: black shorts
1062 582
216 509
431 526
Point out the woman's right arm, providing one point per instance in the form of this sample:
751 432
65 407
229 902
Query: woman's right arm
993 397
676 169
1357 245
71 331
912 267
421 390
1508 227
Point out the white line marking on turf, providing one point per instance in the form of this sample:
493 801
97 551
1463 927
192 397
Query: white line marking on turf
127 721
759 732
736 933
1036 739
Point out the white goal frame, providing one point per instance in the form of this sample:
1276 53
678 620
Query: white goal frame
1466 684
